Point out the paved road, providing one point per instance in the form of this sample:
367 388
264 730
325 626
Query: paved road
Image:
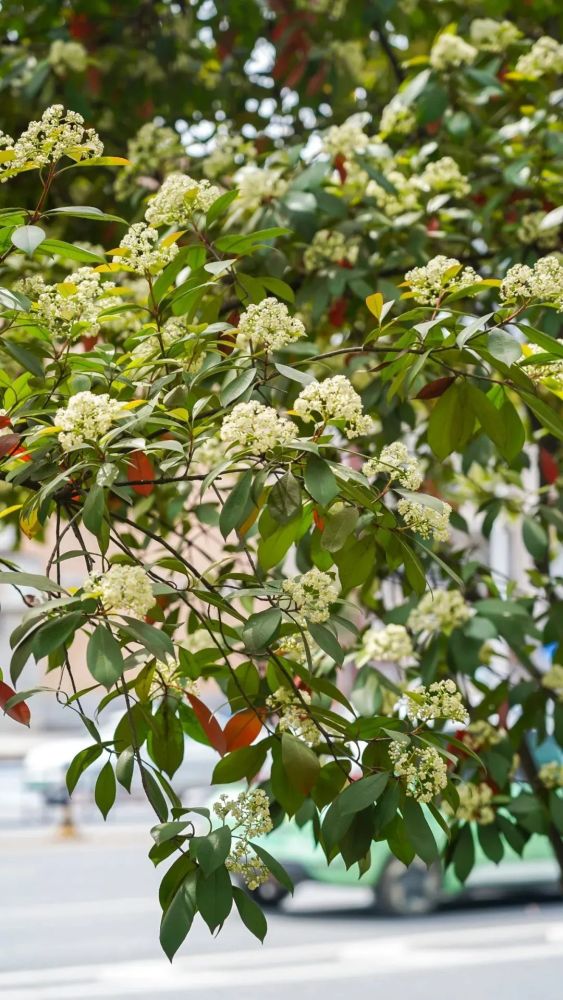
79 921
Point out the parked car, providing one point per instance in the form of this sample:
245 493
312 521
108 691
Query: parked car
45 766
402 891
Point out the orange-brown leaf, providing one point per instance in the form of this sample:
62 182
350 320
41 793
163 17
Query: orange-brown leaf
436 388
209 724
20 712
140 468
242 729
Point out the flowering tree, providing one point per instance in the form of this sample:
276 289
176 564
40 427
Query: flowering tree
276 412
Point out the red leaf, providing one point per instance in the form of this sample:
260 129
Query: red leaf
5 421
436 388
209 724
340 165
242 729
20 712
140 467
8 444
319 521
337 312
548 465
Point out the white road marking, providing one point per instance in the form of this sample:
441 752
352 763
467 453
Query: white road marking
474 946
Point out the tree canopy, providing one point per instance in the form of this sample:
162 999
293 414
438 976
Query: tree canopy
280 300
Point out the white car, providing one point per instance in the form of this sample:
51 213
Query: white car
46 765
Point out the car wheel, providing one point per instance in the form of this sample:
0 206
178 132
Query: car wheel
270 893
408 892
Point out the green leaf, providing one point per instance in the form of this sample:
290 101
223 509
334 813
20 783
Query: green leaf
28 238
300 763
320 481
250 913
235 509
503 426
491 842
157 642
234 389
535 537
178 917
32 580
69 252
362 793
284 502
56 633
451 421
211 851
463 856
503 347
124 768
154 795
79 764
261 628
86 212
165 741
339 526
546 415
419 831
238 764
274 867
94 509
220 206
104 657
214 897
327 641
104 792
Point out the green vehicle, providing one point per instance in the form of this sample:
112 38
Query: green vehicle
411 891
416 890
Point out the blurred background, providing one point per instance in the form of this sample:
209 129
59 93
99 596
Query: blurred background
79 917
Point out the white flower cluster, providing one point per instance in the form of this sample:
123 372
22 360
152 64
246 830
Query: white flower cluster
475 803
268 324
293 716
226 151
257 185
404 198
153 146
545 56
481 735
85 418
551 774
179 198
529 231
313 593
451 51
543 282
442 274
426 521
209 452
423 769
333 399
395 462
250 812
346 138
553 680
329 246
167 679
552 370
257 428
173 331
79 299
443 176
441 700
439 612
58 133
143 253
122 589
391 643
396 119
64 56
489 35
